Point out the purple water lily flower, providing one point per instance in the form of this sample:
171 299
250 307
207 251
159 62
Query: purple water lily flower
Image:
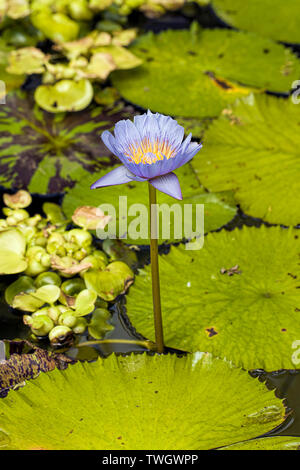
150 148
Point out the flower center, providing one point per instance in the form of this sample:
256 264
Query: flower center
147 152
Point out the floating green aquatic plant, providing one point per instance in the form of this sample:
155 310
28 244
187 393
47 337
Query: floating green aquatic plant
34 245
68 72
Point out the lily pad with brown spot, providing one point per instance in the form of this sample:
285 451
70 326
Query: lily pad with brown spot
196 402
250 318
212 67
251 150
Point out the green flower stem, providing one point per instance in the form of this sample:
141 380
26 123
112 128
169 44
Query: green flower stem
146 344
159 336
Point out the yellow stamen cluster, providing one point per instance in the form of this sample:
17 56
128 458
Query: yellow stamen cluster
139 153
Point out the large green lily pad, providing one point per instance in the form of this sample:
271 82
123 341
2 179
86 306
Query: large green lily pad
194 402
238 297
271 18
211 69
46 152
253 149
218 208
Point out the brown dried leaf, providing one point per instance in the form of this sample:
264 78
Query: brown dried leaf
90 218
73 268
26 361
19 200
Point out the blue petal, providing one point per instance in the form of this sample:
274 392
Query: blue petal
151 128
182 158
119 175
153 170
108 140
133 135
170 130
122 141
186 143
168 184
191 151
139 122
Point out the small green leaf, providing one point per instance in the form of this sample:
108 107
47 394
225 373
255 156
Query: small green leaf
111 282
27 302
47 278
12 251
13 240
99 325
90 218
57 27
65 95
122 57
73 286
118 251
26 60
22 284
16 9
19 200
11 81
85 302
54 213
48 293
11 263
